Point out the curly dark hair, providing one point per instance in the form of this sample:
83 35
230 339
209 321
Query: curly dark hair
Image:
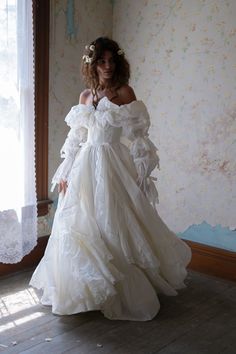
89 69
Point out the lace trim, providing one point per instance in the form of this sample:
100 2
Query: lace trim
17 238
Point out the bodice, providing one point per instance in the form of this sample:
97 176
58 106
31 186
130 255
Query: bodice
98 134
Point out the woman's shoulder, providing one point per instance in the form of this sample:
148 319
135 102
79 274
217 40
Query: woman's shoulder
126 94
83 98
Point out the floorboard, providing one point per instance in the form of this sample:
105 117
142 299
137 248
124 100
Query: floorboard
201 319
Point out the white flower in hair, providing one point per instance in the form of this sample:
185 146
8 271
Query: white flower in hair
120 52
87 59
92 47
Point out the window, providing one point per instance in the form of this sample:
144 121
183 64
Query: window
8 94
18 206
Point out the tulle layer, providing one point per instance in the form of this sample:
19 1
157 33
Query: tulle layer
109 250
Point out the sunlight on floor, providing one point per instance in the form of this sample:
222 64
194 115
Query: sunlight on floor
20 321
19 304
18 301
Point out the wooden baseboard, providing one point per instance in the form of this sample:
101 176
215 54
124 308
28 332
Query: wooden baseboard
213 261
206 259
28 261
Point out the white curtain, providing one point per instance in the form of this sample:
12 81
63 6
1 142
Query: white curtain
18 212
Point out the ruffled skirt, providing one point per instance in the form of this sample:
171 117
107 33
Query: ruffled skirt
109 250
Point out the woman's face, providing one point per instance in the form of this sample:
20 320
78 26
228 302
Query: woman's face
106 66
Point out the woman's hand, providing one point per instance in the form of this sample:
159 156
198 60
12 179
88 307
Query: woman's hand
62 186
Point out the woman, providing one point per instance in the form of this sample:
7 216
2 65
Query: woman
109 250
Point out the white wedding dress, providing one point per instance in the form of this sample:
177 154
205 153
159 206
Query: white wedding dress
109 250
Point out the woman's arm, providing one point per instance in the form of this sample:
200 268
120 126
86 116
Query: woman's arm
77 119
136 125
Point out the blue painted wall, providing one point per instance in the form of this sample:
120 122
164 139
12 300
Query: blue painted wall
217 236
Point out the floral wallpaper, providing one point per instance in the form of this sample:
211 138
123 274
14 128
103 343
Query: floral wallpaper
185 50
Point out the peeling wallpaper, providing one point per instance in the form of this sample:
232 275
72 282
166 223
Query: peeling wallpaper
185 51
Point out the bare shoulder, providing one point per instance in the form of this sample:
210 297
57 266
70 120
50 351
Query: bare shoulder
126 94
84 96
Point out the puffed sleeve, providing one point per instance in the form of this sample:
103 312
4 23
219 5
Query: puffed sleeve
78 120
143 151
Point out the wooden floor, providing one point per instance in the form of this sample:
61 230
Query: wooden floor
201 319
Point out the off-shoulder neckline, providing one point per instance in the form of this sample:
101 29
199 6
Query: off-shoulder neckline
112 104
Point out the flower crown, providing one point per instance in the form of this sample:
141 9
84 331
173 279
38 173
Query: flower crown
88 60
